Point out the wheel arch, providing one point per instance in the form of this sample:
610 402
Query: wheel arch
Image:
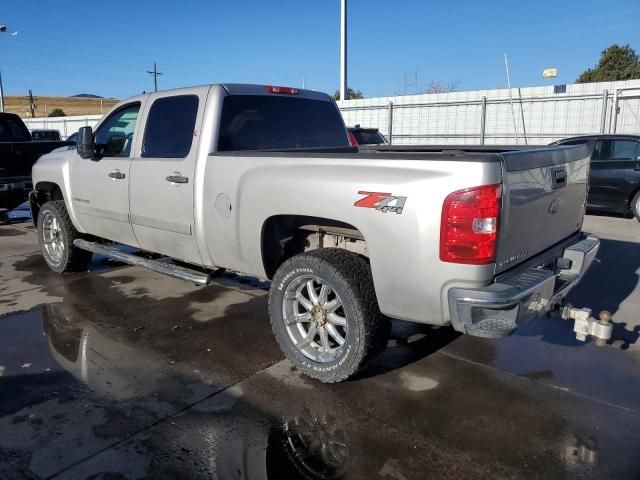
284 236
43 192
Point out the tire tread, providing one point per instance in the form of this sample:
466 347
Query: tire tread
356 271
77 259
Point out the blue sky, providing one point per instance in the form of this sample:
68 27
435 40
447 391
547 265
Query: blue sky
69 47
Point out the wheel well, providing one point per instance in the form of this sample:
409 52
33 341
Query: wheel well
284 236
43 193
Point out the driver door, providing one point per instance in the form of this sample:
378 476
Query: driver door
100 187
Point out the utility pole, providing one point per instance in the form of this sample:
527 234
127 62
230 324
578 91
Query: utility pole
155 74
1 94
4 29
343 49
32 105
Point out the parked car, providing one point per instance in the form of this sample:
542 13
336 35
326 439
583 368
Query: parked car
261 180
45 135
73 137
367 136
18 153
614 184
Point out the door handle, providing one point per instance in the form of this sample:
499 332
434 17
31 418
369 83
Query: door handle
558 177
636 167
117 174
177 178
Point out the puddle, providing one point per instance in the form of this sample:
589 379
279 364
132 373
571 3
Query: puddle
71 379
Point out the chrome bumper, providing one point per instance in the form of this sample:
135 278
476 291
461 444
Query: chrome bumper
497 310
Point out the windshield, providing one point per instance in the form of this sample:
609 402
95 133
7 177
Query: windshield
262 122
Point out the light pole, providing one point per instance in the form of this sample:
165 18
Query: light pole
343 49
3 29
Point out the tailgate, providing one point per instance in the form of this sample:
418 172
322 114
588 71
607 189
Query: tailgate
543 200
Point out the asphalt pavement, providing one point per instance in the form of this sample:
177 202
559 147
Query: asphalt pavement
121 373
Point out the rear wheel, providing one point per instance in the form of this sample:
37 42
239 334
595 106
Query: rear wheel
56 234
324 314
635 206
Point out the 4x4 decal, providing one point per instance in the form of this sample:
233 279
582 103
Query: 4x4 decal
384 202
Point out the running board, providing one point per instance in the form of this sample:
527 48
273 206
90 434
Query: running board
189 275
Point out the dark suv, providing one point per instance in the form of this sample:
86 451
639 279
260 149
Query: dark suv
614 185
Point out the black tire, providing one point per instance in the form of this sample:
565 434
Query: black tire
72 259
349 276
634 206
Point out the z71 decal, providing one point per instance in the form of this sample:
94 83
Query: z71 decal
383 202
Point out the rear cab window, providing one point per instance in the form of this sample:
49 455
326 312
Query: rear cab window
12 129
263 122
170 127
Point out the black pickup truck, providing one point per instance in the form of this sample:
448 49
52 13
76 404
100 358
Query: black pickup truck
18 153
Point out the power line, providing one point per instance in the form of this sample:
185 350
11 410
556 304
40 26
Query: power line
155 74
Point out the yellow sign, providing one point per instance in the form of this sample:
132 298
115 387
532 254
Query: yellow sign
550 73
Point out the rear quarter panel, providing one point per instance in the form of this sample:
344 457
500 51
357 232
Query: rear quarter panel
410 280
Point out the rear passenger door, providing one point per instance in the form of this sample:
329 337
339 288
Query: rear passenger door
162 175
615 174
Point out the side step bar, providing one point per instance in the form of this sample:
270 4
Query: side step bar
192 276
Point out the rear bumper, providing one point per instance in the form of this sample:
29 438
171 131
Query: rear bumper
497 310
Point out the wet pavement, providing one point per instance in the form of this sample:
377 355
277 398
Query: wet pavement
122 373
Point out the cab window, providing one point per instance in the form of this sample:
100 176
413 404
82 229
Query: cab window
170 127
114 137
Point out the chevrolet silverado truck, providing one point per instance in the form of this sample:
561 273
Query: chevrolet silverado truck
18 153
263 180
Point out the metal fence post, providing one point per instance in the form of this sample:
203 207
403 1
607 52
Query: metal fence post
603 114
483 119
390 123
614 120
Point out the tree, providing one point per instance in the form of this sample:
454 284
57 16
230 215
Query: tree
616 63
351 94
57 112
442 87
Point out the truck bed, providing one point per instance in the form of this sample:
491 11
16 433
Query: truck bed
537 212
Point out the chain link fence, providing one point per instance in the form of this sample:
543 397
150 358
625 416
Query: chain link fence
532 115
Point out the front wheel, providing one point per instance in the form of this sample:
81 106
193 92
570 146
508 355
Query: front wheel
324 314
56 234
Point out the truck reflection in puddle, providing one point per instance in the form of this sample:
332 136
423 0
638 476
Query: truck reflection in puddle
308 444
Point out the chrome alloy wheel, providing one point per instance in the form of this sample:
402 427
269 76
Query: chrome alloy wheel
315 319
53 238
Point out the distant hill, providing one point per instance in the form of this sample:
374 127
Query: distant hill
87 95
76 105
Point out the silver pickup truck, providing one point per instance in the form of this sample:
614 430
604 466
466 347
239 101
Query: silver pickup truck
263 180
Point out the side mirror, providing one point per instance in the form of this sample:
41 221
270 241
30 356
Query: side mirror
115 145
84 143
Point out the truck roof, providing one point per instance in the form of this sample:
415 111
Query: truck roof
240 89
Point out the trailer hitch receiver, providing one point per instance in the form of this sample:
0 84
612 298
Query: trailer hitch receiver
585 325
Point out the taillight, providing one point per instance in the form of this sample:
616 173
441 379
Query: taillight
469 225
283 90
352 139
